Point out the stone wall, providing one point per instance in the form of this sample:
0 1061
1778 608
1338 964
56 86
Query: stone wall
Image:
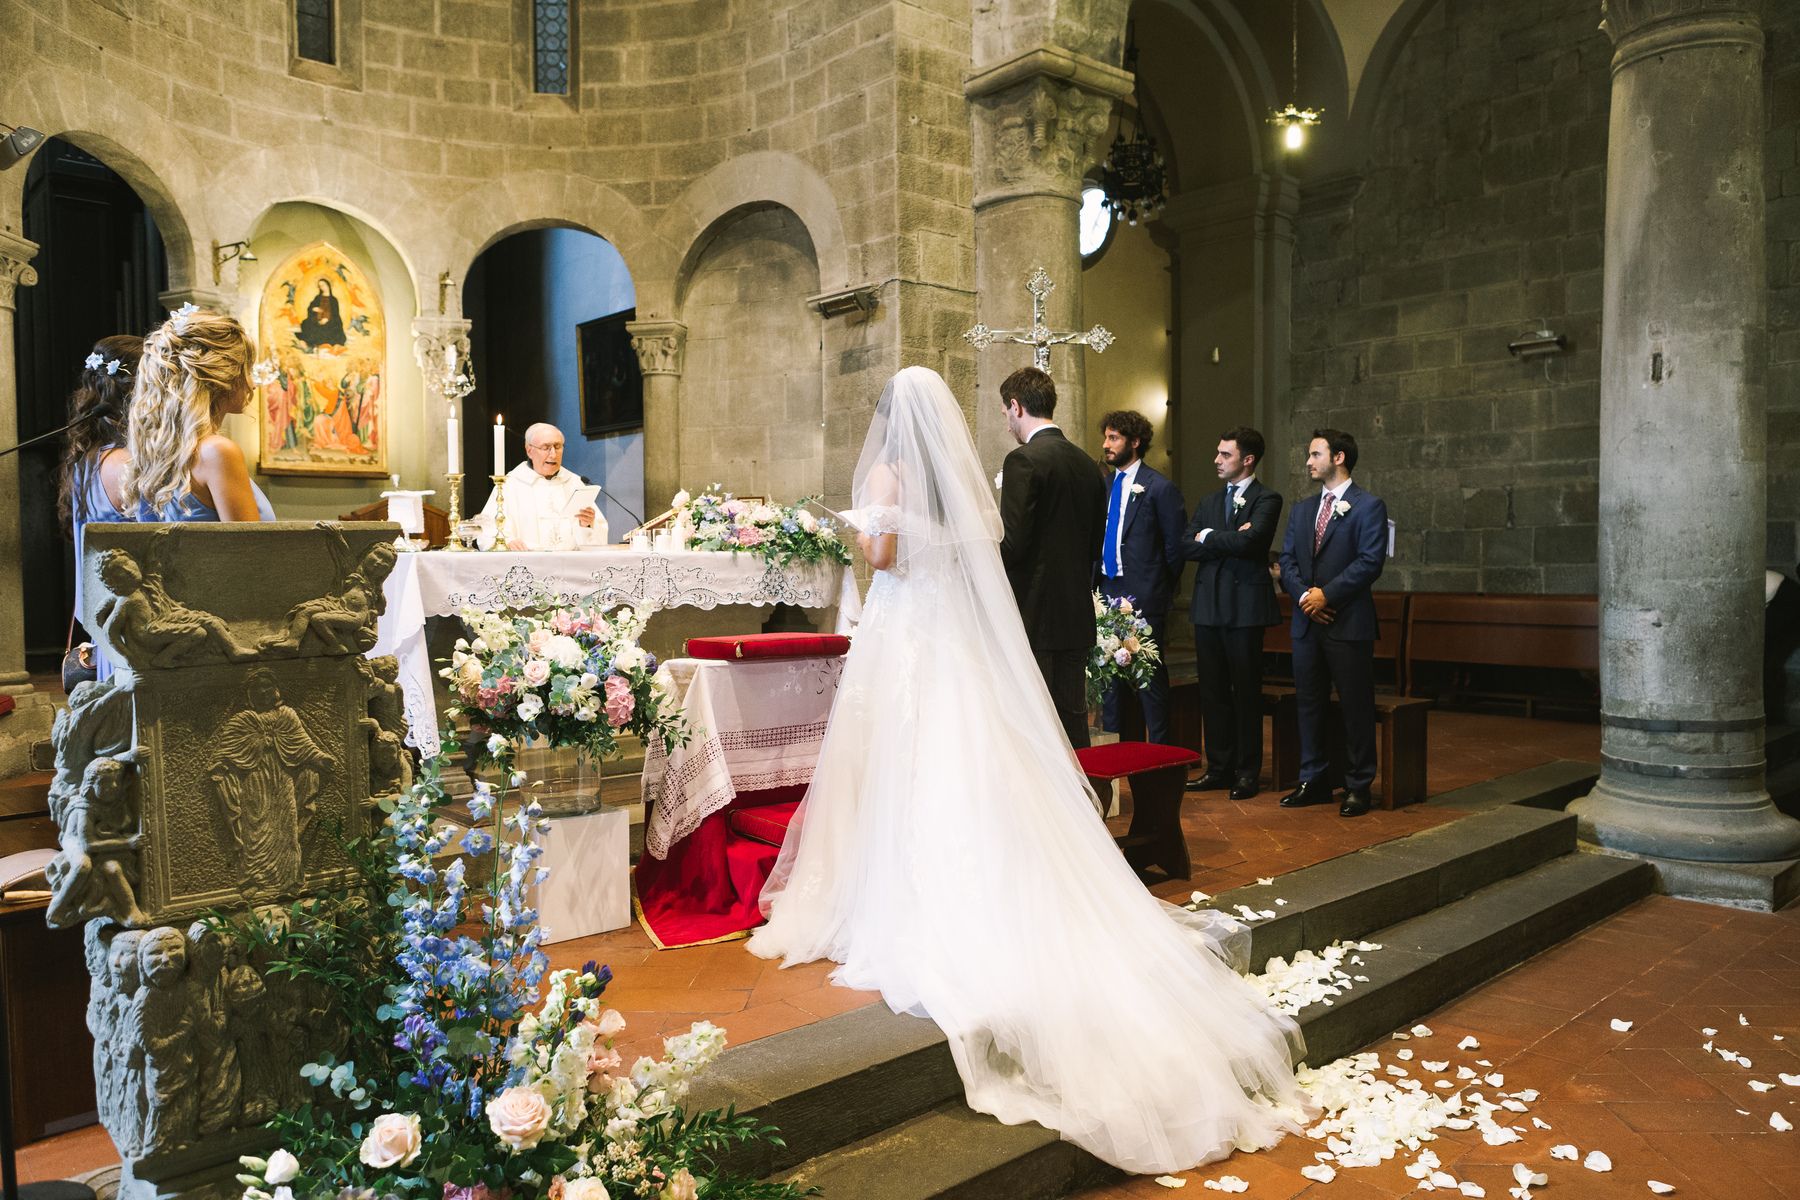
1480 218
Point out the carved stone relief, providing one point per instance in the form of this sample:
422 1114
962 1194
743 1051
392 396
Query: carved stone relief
1037 135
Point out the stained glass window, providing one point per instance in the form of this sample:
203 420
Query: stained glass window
313 32
550 46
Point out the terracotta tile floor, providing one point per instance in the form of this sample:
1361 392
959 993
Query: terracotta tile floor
1231 842
1656 1103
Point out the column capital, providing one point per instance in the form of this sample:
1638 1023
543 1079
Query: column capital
1039 118
16 270
1644 27
660 345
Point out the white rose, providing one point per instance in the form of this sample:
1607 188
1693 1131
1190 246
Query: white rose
518 1116
629 658
282 1168
1341 507
565 652
393 1141
585 1188
763 514
530 707
681 499
809 522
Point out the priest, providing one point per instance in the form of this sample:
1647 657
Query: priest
539 492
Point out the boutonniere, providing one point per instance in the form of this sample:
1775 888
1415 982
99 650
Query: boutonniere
1137 489
997 475
1237 501
1341 507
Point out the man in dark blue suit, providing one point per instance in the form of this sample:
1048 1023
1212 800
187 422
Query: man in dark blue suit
1141 553
1234 602
1335 549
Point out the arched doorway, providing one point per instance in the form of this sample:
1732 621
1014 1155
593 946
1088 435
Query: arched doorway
101 266
547 311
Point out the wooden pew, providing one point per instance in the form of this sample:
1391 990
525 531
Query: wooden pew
1390 609
1507 631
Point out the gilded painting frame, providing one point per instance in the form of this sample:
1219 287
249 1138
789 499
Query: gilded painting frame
323 328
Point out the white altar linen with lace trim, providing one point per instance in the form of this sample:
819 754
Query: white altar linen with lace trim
756 724
438 584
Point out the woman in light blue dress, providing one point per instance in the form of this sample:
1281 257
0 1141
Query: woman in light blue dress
93 451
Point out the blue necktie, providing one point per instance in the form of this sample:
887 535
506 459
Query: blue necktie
1109 553
1230 489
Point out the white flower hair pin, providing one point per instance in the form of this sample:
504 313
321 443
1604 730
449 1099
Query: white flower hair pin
111 366
262 372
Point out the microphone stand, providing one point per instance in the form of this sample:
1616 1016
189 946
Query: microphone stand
32 441
614 499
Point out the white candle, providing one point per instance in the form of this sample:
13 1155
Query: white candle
500 445
454 436
450 361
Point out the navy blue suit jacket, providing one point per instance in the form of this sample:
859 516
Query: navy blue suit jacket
1151 553
1348 563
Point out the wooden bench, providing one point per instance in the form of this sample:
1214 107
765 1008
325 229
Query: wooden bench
1400 744
1158 776
1542 632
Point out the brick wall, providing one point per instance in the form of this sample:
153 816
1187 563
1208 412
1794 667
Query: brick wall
1481 217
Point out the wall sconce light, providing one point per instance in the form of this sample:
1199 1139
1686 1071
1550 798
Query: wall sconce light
837 304
19 141
230 250
1536 345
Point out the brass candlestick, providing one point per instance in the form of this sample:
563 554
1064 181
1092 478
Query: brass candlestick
454 479
499 511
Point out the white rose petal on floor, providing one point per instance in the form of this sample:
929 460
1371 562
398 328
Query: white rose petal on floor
1228 1183
1597 1161
1169 1181
1621 1026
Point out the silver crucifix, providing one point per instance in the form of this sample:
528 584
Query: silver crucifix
1039 337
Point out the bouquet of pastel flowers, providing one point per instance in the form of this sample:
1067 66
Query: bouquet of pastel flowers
1123 652
779 533
571 675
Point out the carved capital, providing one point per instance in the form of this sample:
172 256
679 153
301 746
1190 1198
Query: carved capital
16 270
1039 119
1639 27
660 345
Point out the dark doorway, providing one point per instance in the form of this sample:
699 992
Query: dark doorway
100 266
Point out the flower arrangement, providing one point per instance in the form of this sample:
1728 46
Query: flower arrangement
480 1091
779 533
1123 650
570 675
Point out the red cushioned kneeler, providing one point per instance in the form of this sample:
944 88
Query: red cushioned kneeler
766 823
769 645
707 889
1158 776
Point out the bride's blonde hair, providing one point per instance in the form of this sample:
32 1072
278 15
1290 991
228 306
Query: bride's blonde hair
193 364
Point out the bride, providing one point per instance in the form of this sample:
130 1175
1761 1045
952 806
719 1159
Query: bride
949 855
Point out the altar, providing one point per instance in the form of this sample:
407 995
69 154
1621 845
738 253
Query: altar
439 584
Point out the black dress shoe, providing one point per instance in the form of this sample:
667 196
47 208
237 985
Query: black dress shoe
1310 792
1356 803
1212 781
1244 788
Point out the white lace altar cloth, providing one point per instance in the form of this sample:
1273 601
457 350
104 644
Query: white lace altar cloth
756 724
438 584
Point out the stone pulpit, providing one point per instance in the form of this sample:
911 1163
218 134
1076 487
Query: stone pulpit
220 770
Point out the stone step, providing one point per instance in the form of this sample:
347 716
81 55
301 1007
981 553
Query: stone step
1550 785
950 1151
1354 894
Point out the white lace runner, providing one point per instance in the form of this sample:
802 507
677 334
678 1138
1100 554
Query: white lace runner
437 584
756 725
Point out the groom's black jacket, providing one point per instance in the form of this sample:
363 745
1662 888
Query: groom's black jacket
1053 508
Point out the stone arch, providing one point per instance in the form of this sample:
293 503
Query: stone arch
1247 71
762 177
131 139
1372 82
490 211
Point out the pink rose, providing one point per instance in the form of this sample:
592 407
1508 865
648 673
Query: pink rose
518 1116
682 1186
602 1062
537 671
749 535
538 638
620 703
393 1141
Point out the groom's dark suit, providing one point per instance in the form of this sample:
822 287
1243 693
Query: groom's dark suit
1053 509
1234 601
1346 564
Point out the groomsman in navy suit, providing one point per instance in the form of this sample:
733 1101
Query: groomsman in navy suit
1230 537
1141 553
1335 549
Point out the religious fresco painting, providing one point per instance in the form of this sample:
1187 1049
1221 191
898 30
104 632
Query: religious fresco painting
323 331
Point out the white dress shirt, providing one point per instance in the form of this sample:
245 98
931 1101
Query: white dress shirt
532 502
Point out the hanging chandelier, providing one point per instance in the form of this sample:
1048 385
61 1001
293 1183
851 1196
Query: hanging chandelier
1293 119
1133 176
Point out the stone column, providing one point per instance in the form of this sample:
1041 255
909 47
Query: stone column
1038 119
1682 458
1236 244
15 271
432 336
661 347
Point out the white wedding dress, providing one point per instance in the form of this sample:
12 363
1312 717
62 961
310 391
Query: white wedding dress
949 854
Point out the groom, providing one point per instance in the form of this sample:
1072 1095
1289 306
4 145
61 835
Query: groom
1053 509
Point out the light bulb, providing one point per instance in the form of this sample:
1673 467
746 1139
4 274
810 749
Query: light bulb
1295 136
